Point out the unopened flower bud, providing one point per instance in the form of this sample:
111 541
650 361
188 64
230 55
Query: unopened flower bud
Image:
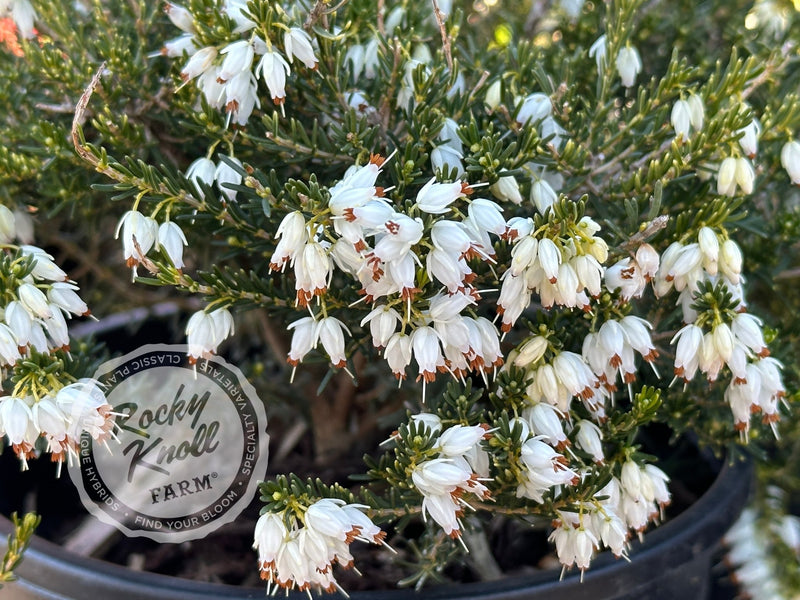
696 111
506 188
445 158
429 420
723 340
709 245
531 351
226 175
631 478
34 300
790 159
172 240
180 17
730 260
745 175
749 139
542 195
726 177
459 439
493 95
680 118
628 65
590 439
201 171
7 228
394 19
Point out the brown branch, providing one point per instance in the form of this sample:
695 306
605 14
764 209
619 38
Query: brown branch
386 109
319 11
274 341
649 231
769 70
445 38
381 23
79 117
474 92
788 274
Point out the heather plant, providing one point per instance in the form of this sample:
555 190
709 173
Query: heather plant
498 241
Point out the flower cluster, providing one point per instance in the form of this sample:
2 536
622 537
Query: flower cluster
204 171
749 543
542 468
225 74
735 173
38 299
141 234
565 270
298 550
720 336
40 302
458 469
555 377
381 248
629 502
527 244
628 62
60 418
686 115
631 274
610 351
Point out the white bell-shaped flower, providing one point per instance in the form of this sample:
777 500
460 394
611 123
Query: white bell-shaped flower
172 240
790 159
681 119
297 44
629 64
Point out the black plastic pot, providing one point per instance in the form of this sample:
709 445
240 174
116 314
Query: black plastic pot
674 562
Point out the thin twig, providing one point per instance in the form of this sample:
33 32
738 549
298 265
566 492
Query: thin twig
274 341
788 274
385 111
445 38
649 231
314 15
478 85
769 70
614 162
79 117
381 23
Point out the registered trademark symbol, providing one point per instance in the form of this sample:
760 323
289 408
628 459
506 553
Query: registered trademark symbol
214 475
